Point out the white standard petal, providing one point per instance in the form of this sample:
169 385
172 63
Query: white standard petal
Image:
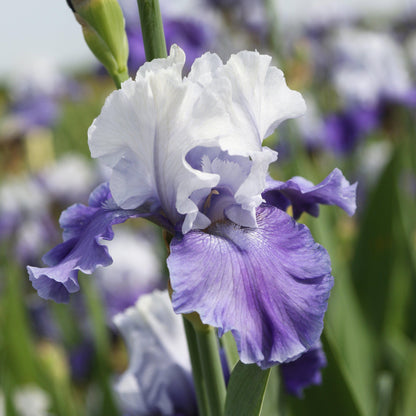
146 129
173 63
121 137
248 195
261 94
257 99
203 69
253 93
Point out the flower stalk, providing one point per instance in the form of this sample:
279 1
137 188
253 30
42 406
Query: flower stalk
197 374
202 339
210 365
152 29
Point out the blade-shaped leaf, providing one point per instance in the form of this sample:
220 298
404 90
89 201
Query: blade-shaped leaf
410 388
346 330
373 259
246 390
273 405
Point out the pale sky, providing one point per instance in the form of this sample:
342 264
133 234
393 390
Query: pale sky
40 29
32 30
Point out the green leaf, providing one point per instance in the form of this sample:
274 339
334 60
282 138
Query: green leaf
109 406
349 379
409 400
246 390
385 383
351 341
273 403
373 259
230 348
347 332
404 284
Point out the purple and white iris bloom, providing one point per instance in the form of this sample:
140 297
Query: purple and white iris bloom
187 153
369 67
159 377
159 358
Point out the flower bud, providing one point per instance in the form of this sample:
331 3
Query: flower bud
102 24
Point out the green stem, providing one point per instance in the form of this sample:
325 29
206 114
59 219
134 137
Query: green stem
197 374
202 339
118 78
230 348
152 29
211 368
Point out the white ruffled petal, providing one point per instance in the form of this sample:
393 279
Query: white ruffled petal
173 63
261 94
248 194
145 131
121 137
203 69
131 184
152 131
254 95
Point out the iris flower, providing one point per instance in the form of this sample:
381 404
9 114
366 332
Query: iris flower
186 153
158 380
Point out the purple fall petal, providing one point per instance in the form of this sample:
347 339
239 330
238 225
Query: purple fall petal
269 285
83 226
304 196
304 371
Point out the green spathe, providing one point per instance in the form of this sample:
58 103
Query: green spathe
102 24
